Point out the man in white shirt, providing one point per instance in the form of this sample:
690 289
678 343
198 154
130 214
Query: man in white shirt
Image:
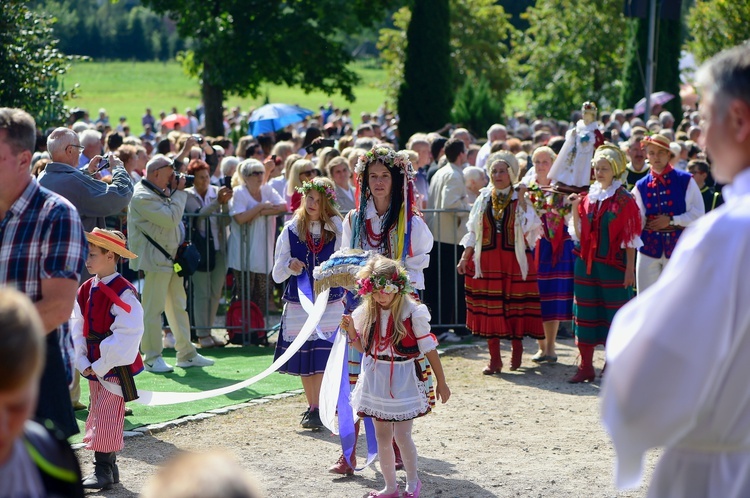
447 193
676 355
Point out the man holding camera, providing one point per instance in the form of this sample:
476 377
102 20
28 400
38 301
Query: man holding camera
94 199
156 209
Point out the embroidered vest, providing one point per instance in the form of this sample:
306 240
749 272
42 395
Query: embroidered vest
95 306
667 200
407 347
301 252
507 228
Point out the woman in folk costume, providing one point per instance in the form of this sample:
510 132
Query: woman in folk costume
553 254
607 223
308 239
502 297
387 220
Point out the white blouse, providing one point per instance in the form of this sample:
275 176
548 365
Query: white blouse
421 243
251 244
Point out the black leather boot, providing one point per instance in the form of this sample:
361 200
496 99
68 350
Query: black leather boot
115 469
102 477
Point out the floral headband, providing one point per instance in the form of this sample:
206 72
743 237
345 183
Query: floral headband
387 156
323 188
398 283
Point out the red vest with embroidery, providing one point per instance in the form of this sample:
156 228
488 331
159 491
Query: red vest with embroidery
95 307
407 347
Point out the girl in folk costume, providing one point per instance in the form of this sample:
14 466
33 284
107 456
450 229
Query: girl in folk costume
607 223
393 332
107 325
502 297
308 239
387 220
553 253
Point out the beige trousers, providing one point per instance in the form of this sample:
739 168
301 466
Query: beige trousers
165 292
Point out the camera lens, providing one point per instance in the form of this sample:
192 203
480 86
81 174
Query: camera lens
189 180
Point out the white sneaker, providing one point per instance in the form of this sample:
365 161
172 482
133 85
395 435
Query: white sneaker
168 341
157 365
448 336
197 361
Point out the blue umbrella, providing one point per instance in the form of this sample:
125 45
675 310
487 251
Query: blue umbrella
274 117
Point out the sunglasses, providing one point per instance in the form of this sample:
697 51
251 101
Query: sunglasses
254 173
307 173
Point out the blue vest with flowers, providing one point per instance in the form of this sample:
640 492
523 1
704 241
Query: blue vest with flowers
301 252
663 199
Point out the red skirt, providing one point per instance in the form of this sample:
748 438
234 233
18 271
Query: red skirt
501 303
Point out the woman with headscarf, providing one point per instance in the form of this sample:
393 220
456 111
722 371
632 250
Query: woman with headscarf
606 223
502 297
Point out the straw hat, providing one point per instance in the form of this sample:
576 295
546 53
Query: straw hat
658 140
110 241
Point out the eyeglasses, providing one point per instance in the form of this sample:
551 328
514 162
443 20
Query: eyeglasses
79 147
254 173
307 173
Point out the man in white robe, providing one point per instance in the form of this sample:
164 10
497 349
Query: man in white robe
677 355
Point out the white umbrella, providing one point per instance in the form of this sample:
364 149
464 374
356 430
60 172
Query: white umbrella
657 98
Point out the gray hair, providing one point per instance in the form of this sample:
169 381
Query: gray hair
543 149
474 173
90 137
79 127
20 129
229 165
248 166
726 77
495 128
59 139
664 117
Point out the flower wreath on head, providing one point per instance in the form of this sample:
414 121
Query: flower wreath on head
387 156
398 283
323 188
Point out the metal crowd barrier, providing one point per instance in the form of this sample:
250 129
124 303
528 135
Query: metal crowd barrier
435 279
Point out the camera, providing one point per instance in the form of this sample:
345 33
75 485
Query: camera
189 179
326 142
103 164
198 139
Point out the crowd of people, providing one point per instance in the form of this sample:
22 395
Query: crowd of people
546 222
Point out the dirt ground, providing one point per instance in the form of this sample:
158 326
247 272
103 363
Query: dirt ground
518 434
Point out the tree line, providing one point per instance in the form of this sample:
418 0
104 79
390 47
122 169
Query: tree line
122 30
466 55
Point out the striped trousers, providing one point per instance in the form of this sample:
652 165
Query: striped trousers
104 425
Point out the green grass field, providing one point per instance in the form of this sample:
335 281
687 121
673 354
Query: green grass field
127 88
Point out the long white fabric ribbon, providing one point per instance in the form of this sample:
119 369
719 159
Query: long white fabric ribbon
158 398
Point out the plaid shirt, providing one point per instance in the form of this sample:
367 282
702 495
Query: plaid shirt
41 237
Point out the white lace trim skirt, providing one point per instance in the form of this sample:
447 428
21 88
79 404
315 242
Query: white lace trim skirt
398 398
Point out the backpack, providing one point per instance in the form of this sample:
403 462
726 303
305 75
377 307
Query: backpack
237 327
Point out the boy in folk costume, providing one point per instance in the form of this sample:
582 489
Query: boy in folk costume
107 328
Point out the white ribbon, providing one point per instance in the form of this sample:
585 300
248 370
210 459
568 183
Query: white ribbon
158 398
329 390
